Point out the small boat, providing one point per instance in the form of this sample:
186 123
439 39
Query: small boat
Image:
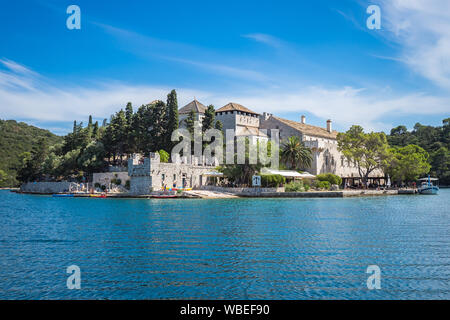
427 186
98 195
62 195
180 189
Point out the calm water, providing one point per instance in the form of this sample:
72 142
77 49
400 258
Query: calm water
225 249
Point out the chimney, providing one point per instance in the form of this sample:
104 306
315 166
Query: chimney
329 125
303 119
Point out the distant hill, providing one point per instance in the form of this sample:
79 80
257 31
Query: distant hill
16 138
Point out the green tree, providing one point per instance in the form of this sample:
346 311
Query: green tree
172 117
163 156
408 163
91 159
190 122
369 151
241 174
208 120
440 163
295 154
33 162
3 177
219 125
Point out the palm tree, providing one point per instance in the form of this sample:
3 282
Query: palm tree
295 154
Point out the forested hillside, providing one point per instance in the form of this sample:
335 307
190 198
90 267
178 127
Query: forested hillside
15 139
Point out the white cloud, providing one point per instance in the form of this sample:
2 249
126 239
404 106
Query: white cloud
25 96
264 38
422 28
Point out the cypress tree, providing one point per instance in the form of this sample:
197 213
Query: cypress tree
172 119
208 120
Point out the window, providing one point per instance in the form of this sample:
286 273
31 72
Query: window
174 177
163 177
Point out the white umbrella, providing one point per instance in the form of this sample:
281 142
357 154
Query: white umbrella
388 183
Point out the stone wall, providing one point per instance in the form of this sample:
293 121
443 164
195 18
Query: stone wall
47 187
104 178
152 175
141 185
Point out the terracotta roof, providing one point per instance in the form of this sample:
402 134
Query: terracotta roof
193 105
308 129
235 107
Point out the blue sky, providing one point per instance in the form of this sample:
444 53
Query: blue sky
286 57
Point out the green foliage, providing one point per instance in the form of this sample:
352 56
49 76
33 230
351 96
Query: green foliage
32 168
15 139
172 115
323 185
190 122
3 176
208 120
272 180
241 174
116 181
331 178
295 154
218 125
408 163
97 185
369 151
295 186
127 185
434 140
163 156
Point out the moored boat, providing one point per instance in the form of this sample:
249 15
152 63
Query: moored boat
98 195
427 186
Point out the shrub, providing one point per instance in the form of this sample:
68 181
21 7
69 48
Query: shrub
272 180
103 187
116 181
127 185
323 185
97 185
331 178
294 186
163 156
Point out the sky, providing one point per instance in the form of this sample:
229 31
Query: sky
289 58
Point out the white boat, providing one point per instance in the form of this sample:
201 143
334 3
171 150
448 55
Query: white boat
427 186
